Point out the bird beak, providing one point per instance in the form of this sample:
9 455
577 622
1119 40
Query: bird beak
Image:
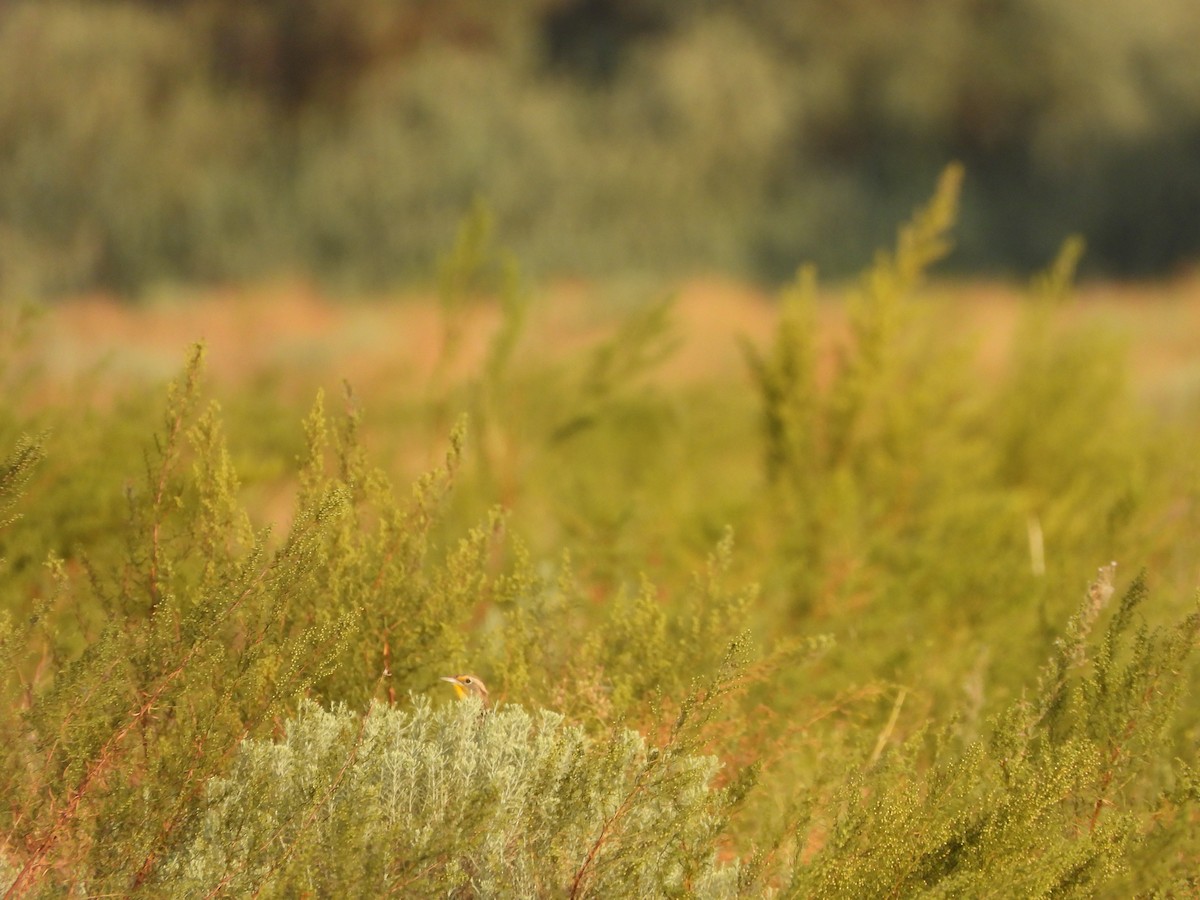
458 688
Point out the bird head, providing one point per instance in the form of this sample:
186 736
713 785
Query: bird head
465 685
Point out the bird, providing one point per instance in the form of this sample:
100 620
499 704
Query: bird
466 685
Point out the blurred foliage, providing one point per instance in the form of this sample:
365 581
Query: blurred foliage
344 139
817 634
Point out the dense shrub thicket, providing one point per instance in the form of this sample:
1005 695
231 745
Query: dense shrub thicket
798 636
345 138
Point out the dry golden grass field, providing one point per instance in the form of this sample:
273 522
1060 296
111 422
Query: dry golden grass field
303 339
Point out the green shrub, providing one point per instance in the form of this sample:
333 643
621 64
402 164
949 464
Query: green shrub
851 699
880 476
457 800
1052 802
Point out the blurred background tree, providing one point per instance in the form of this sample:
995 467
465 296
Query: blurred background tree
205 140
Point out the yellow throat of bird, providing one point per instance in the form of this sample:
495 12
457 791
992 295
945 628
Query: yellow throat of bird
465 685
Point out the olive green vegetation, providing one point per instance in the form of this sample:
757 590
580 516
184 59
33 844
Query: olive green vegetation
346 138
797 636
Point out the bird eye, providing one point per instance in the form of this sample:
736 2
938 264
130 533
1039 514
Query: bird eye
466 681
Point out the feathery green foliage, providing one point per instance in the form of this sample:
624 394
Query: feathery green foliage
882 687
1051 802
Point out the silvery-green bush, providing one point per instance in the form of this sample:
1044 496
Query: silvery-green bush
425 801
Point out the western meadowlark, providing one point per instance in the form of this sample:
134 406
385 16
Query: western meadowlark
468 684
